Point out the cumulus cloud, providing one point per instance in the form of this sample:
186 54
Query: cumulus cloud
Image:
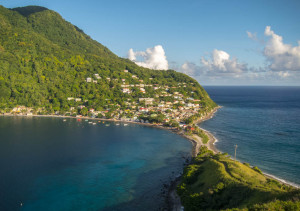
283 57
192 69
220 62
153 58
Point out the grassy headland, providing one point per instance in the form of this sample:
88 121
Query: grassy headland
216 182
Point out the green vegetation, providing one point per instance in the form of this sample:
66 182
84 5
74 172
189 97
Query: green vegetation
199 132
45 59
216 182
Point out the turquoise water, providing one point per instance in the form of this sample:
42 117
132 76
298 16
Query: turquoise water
49 164
265 124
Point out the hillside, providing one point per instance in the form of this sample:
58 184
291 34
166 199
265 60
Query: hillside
49 65
216 182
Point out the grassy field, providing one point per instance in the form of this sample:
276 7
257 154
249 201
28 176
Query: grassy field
216 182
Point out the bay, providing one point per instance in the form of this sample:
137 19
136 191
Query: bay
51 164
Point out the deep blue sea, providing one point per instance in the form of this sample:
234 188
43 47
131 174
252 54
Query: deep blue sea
51 164
265 124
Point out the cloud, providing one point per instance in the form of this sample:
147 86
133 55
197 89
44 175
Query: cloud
283 74
252 36
192 69
153 58
282 57
220 62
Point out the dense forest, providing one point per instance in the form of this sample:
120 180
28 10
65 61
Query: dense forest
45 59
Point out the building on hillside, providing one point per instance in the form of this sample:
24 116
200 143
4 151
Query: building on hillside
142 90
88 80
126 90
97 76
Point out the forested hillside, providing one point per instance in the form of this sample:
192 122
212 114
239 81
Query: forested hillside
45 59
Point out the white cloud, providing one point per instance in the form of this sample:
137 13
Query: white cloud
191 69
153 58
220 62
131 55
283 57
283 74
252 36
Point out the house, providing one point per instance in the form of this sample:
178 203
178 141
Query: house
142 109
126 90
190 128
125 71
88 80
94 81
142 90
97 76
77 99
70 98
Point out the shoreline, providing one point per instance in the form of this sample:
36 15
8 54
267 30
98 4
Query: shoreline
172 199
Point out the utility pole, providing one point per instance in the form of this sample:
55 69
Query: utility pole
235 151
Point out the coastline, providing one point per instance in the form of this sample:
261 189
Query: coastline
172 199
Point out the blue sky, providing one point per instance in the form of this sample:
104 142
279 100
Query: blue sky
205 39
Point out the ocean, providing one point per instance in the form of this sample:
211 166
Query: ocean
264 123
51 164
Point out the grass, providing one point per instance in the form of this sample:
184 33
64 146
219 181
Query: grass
216 182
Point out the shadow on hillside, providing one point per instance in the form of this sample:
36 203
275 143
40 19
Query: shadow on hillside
26 11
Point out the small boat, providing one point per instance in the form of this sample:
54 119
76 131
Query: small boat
90 122
78 120
64 120
125 124
99 121
117 124
94 123
103 122
107 125
86 120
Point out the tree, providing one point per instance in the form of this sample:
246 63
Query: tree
84 111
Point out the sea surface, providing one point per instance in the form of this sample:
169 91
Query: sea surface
264 123
51 164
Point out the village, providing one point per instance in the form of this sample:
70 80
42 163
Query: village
165 107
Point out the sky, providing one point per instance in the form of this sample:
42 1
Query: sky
249 42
